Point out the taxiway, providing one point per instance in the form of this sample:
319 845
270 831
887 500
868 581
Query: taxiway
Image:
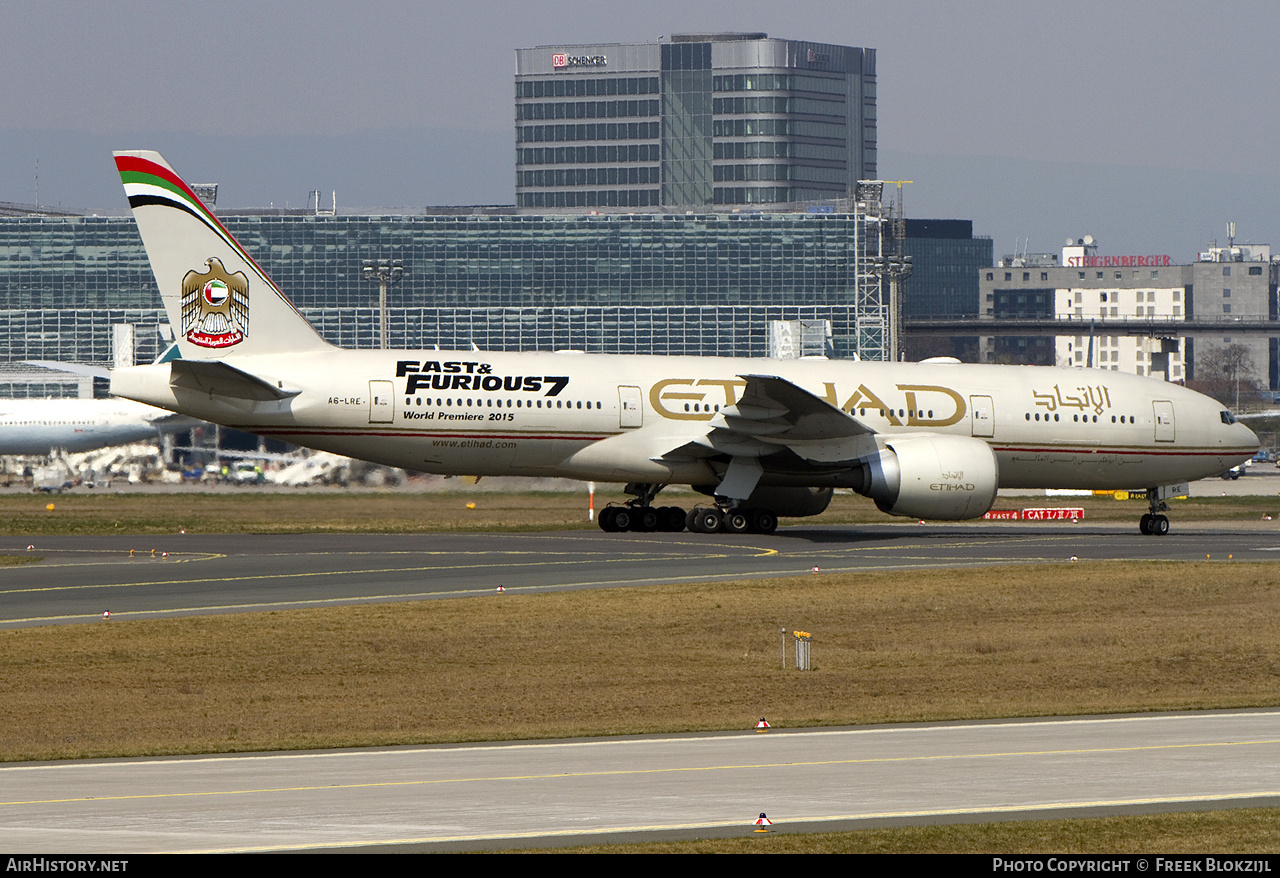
189 574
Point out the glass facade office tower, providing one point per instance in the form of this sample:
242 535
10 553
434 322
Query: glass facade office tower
702 121
947 259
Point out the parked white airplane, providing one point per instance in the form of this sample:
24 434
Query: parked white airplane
764 438
38 426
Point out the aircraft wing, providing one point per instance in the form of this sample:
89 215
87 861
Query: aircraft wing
773 414
775 407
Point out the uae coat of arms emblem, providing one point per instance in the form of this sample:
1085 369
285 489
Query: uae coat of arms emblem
215 306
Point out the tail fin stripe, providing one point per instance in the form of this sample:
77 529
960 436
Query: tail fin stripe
137 173
180 234
148 183
140 200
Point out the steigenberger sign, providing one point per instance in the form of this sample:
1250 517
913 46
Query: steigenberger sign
1117 261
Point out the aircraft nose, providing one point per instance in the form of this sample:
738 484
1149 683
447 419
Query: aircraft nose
1248 437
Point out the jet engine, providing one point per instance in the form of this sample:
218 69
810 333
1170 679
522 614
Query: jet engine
929 476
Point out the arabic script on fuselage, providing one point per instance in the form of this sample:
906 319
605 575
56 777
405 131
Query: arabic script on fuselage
1097 398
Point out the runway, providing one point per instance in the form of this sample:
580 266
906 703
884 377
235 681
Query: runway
535 794
189 574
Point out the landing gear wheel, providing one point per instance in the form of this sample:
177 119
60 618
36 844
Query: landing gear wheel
763 521
671 519
705 520
622 518
608 519
1153 525
736 522
644 520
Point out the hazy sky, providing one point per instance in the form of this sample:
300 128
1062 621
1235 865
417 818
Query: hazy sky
1146 124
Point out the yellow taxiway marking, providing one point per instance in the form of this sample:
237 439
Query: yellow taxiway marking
469 565
388 598
113 555
362 599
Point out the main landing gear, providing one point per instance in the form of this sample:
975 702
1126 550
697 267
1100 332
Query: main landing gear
642 519
710 520
1153 523
641 516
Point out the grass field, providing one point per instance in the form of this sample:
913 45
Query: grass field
952 644
234 510
1002 642
1247 831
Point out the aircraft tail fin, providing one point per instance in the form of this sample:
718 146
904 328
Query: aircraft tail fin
220 302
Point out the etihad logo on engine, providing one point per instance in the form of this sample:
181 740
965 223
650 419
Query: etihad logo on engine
471 375
215 306
952 481
922 405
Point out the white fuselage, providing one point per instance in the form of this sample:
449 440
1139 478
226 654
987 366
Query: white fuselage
619 418
38 426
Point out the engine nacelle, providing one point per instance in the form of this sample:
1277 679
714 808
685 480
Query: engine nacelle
929 476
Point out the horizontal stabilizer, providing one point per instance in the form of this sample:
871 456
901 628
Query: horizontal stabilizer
222 379
71 368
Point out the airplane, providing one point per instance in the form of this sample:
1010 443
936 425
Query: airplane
761 438
39 426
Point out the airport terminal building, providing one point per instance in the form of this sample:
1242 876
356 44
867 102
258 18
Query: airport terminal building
707 284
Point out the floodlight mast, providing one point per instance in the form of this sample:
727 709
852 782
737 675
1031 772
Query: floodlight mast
385 272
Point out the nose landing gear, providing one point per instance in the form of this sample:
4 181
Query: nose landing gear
1153 524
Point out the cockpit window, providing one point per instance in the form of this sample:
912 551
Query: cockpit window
1227 417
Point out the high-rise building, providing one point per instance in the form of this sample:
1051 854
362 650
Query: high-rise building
946 258
699 121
